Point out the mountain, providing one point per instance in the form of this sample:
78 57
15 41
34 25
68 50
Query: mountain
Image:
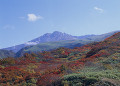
93 64
59 36
48 37
55 36
6 53
68 44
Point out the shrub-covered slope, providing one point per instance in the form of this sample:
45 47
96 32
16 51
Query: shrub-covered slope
94 64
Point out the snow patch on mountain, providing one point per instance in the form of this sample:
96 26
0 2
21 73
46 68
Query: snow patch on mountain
30 43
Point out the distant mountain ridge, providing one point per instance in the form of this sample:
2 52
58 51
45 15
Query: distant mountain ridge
59 36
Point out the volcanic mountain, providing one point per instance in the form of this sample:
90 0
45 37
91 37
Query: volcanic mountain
59 36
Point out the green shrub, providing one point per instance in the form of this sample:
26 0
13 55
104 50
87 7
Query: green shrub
75 79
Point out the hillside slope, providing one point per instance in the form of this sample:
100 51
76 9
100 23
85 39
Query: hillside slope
52 45
94 64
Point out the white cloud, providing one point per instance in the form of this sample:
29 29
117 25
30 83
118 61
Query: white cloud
33 17
98 9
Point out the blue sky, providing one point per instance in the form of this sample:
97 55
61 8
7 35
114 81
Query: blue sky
23 20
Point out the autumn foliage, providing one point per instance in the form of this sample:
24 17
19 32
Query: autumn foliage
47 67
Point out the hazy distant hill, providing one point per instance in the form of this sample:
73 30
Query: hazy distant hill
97 37
6 53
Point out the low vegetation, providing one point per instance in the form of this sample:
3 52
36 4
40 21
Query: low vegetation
96 64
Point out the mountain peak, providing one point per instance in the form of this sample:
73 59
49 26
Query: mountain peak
55 36
57 32
54 33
